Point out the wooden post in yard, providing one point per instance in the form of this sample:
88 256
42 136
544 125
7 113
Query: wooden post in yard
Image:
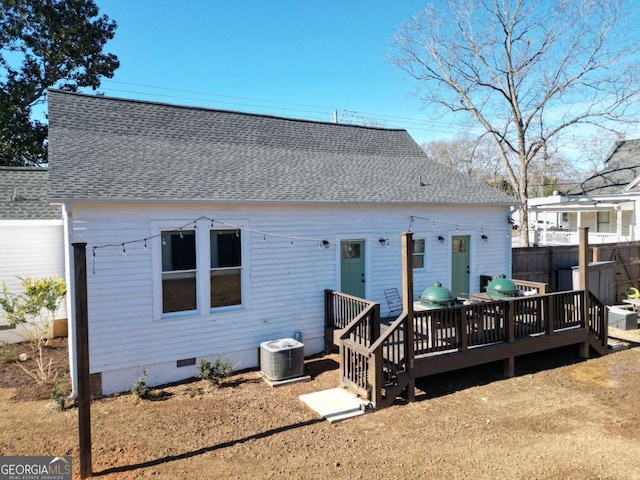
583 262
82 360
407 308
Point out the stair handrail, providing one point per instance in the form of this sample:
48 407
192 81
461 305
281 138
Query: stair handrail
387 333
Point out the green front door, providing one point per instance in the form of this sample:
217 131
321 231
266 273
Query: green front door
460 265
352 267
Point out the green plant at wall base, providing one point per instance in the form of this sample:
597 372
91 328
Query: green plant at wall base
60 391
215 373
35 309
140 388
7 353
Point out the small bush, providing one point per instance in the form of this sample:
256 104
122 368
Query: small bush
140 388
7 353
60 391
36 309
215 373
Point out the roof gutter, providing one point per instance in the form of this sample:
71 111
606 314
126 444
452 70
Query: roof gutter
323 203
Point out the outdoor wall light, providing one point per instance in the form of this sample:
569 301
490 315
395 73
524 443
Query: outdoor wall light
441 238
384 242
484 237
325 243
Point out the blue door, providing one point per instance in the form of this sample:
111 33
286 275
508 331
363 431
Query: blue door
460 265
352 279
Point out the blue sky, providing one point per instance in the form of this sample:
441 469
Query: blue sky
293 58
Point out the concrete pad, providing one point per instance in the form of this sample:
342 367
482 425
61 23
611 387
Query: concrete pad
335 404
280 383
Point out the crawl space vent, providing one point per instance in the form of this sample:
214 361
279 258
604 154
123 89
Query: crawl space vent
282 359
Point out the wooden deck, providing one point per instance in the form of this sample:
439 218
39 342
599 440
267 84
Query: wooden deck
381 361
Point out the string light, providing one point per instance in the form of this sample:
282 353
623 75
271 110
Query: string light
457 225
193 224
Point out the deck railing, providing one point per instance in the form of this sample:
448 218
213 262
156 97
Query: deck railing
598 323
377 365
527 286
462 327
357 322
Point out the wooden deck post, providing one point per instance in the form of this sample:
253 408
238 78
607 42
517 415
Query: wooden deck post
407 307
82 347
583 262
510 324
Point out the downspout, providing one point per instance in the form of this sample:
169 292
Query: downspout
71 309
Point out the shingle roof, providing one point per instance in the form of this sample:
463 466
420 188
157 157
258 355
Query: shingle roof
622 167
23 195
110 149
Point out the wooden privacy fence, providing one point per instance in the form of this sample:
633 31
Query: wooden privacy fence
551 263
377 364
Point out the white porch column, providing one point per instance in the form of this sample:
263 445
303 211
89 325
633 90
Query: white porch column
619 223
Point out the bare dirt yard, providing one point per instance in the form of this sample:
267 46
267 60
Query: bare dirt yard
560 418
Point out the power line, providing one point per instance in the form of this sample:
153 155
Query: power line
311 111
326 111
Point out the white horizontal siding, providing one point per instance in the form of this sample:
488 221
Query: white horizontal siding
30 248
285 283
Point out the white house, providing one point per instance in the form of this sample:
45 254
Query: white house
209 231
606 202
31 236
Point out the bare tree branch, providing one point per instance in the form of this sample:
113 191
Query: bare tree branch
527 72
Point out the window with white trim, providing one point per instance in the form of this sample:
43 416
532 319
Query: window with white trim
179 271
418 259
604 222
226 268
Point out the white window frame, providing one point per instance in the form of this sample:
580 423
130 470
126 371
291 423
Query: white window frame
203 268
164 236
423 254
241 268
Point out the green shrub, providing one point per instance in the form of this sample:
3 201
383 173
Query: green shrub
7 353
36 309
140 388
215 373
60 391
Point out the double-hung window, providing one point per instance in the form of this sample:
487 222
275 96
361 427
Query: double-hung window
179 271
201 270
225 274
418 253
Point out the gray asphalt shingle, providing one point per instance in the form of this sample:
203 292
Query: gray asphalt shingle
103 148
622 167
23 195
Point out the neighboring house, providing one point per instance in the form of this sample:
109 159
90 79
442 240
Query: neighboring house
606 202
31 236
209 232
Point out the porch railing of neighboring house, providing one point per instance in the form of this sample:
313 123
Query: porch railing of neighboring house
562 237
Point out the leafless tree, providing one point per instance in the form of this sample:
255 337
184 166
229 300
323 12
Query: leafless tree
525 71
474 157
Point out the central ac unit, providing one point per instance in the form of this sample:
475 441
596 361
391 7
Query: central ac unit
282 359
